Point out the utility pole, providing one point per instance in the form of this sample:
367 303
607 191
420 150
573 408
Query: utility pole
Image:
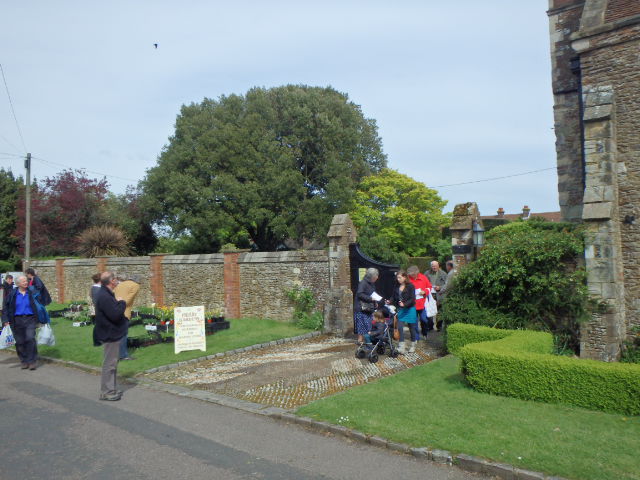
27 215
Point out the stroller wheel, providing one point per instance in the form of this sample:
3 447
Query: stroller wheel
394 353
373 358
360 353
381 349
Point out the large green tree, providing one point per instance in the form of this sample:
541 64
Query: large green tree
9 189
396 214
262 167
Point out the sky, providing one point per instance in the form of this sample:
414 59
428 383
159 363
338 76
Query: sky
461 91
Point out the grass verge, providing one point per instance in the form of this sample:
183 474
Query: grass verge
432 405
76 344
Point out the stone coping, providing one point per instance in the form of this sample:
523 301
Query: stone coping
191 259
296 256
466 462
115 261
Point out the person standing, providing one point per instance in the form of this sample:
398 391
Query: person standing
7 285
451 272
41 294
95 288
404 298
111 325
438 278
7 288
422 287
364 305
127 290
20 313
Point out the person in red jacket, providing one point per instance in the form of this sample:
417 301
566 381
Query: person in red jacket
423 288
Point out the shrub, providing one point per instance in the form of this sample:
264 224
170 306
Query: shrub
7 266
464 309
304 303
528 271
631 348
520 365
103 240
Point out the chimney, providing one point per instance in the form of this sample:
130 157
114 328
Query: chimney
501 212
525 212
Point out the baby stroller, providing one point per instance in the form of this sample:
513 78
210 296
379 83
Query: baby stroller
379 341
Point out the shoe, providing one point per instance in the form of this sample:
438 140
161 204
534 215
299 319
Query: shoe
24 366
128 358
111 397
33 366
412 347
401 348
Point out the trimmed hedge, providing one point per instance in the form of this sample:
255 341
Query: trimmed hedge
518 363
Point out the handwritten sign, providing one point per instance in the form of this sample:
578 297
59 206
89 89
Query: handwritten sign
189 329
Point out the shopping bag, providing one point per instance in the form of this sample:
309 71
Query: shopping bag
431 306
45 336
6 338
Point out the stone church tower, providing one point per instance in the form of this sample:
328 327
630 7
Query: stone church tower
595 53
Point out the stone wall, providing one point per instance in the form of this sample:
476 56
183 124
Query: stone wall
263 278
199 277
266 277
596 81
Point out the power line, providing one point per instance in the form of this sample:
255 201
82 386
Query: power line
12 110
49 162
495 178
10 144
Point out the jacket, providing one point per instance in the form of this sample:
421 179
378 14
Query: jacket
43 294
406 296
111 324
9 310
363 294
127 291
421 283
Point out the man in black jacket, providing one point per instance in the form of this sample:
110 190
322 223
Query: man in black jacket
20 312
111 326
42 294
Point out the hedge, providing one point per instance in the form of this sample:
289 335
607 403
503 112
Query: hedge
519 363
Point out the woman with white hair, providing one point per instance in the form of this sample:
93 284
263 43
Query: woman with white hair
364 305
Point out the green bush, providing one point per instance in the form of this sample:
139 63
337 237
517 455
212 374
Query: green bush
520 365
7 266
304 304
529 271
464 309
631 348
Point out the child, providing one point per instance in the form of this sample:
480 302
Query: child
377 327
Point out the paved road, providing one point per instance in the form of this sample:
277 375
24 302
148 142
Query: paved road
54 427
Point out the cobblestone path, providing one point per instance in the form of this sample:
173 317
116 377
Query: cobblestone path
292 374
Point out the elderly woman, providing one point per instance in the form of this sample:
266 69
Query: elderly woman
404 298
364 305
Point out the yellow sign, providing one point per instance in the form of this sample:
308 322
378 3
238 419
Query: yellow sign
361 273
189 329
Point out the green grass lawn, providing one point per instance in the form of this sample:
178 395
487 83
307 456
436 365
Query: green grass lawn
432 405
76 344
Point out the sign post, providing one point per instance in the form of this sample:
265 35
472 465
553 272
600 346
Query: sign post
189 329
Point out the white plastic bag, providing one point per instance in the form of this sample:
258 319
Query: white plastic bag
45 336
6 338
431 306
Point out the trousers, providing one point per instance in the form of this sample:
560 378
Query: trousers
24 331
109 367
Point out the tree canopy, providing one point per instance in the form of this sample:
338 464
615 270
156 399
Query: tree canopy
64 206
396 214
9 189
260 168
61 207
